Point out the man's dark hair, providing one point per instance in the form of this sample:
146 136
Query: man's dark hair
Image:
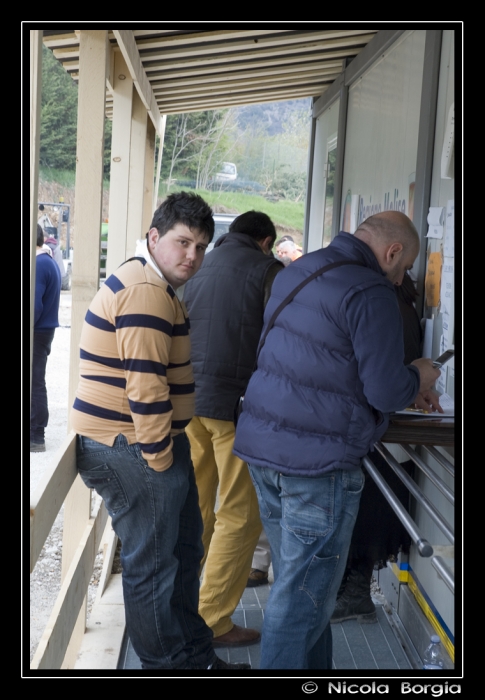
407 289
185 208
40 236
254 224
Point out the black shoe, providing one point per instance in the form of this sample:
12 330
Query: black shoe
355 603
220 664
37 446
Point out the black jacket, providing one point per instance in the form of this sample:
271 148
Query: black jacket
225 301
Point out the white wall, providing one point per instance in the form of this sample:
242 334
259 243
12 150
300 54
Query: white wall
442 192
382 130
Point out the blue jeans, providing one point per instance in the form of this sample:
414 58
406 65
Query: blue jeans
39 412
157 518
309 523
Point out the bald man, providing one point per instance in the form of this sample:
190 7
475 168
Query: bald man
330 371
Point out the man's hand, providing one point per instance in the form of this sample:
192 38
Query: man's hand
428 401
427 373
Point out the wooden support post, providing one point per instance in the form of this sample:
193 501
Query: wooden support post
149 186
88 197
35 86
122 86
136 175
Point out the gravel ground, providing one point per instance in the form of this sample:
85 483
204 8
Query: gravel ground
45 580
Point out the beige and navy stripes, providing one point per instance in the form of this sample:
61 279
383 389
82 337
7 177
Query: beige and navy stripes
135 372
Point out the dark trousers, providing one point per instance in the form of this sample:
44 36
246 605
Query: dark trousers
39 412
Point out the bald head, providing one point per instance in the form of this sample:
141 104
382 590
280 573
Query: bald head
287 247
389 227
394 241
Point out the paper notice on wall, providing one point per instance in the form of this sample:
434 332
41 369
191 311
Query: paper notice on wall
435 221
447 329
428 338
449 243
441 381
433 279
447 285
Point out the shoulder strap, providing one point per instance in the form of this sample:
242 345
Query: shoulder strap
295 291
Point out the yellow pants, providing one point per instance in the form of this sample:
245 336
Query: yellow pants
231 533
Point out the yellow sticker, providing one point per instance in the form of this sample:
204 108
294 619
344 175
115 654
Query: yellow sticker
433 279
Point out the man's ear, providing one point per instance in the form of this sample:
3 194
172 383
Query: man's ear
267 244
152 236
393 252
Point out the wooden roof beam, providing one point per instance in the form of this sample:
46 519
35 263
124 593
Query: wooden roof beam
128 48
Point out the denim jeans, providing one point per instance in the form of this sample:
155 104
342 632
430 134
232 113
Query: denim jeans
309 523
39 412
157 518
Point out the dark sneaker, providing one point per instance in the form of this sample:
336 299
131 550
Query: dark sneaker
355 603
37 446
220 664
257 578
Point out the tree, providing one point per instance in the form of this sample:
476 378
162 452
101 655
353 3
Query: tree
180 133
214 146
58 119
195 145
289 185
273 146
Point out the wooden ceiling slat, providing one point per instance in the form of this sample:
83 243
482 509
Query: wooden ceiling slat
189 68
215 93
202 39
305 78
245 50
322 67
215 38
195 70
238 100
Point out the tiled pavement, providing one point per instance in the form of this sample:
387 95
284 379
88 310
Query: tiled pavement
355 646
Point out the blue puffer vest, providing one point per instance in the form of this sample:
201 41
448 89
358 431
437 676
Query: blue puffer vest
331 367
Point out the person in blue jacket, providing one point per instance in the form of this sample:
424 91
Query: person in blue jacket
329 373
46 320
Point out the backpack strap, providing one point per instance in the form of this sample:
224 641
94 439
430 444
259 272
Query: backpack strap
293 294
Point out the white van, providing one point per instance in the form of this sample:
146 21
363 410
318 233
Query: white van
227 173
221 226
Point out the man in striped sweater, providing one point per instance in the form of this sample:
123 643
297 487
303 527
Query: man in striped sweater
134 399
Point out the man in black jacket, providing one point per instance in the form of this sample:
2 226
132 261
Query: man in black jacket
226 301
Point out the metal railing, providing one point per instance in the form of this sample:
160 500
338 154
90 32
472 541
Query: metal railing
424 548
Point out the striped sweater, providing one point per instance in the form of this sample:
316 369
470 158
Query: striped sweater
135 372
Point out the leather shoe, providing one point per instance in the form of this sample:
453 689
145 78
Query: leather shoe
237 637
221 664
257 578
